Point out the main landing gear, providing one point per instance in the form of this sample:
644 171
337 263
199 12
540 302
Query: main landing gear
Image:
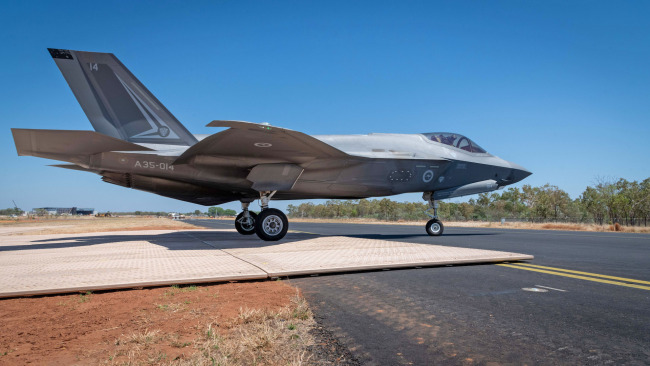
271 224
434 226
245 221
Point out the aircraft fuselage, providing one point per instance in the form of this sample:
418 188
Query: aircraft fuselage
379 165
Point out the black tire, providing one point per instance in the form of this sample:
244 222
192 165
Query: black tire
271 224
435 227
246 229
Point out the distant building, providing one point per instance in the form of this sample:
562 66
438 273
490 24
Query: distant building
67 211
86 211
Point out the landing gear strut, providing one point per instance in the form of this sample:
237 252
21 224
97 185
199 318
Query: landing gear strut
434 226
271 224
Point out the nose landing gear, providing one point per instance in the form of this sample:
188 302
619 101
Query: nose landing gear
434 226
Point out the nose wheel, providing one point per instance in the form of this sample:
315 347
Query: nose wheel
434 226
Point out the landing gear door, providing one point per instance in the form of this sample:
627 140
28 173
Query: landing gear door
274 177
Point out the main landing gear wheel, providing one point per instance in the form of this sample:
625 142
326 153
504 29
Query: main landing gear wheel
435 227
271 224
246 227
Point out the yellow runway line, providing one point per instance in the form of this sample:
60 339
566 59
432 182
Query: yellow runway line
526 268
585 273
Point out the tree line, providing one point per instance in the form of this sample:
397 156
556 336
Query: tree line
212 211
608 201
11 211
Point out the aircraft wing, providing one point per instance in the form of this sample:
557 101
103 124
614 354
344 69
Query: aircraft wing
259 144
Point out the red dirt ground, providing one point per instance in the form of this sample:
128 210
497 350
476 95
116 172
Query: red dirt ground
84 328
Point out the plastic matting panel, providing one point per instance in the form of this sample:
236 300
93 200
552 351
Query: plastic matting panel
44 264
342 254
64 263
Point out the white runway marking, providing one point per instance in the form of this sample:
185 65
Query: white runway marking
551 288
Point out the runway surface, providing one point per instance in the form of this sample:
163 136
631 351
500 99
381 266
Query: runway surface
585 301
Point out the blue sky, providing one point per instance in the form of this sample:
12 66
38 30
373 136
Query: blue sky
561 88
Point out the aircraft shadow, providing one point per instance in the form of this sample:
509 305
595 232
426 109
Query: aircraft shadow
194 240
420 233
407 236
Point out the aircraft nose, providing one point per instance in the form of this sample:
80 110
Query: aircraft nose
518 172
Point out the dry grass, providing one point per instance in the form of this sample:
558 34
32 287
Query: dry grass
255 337
573 227
551 226
76 225
507 225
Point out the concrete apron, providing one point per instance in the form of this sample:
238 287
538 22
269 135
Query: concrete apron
49 264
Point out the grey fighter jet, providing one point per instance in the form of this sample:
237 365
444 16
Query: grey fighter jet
139 144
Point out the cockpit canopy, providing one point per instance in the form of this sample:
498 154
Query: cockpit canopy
455 140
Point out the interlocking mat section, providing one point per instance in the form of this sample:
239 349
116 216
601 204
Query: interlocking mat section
45 264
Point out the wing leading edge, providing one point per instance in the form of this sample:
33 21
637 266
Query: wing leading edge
259 144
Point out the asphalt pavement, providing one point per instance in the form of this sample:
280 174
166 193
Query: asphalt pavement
584 299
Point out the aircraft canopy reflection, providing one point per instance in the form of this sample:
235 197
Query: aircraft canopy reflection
455 140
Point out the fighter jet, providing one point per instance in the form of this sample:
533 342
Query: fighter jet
139 144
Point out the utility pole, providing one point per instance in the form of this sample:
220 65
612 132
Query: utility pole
16 209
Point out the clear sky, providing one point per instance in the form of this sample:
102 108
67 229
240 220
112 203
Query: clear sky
559 87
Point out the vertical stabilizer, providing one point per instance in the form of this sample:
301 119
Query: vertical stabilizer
116 103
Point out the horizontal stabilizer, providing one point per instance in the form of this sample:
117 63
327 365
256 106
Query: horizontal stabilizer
68 145
259 144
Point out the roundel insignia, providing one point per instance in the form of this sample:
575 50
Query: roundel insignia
427 176
263 144
163 131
